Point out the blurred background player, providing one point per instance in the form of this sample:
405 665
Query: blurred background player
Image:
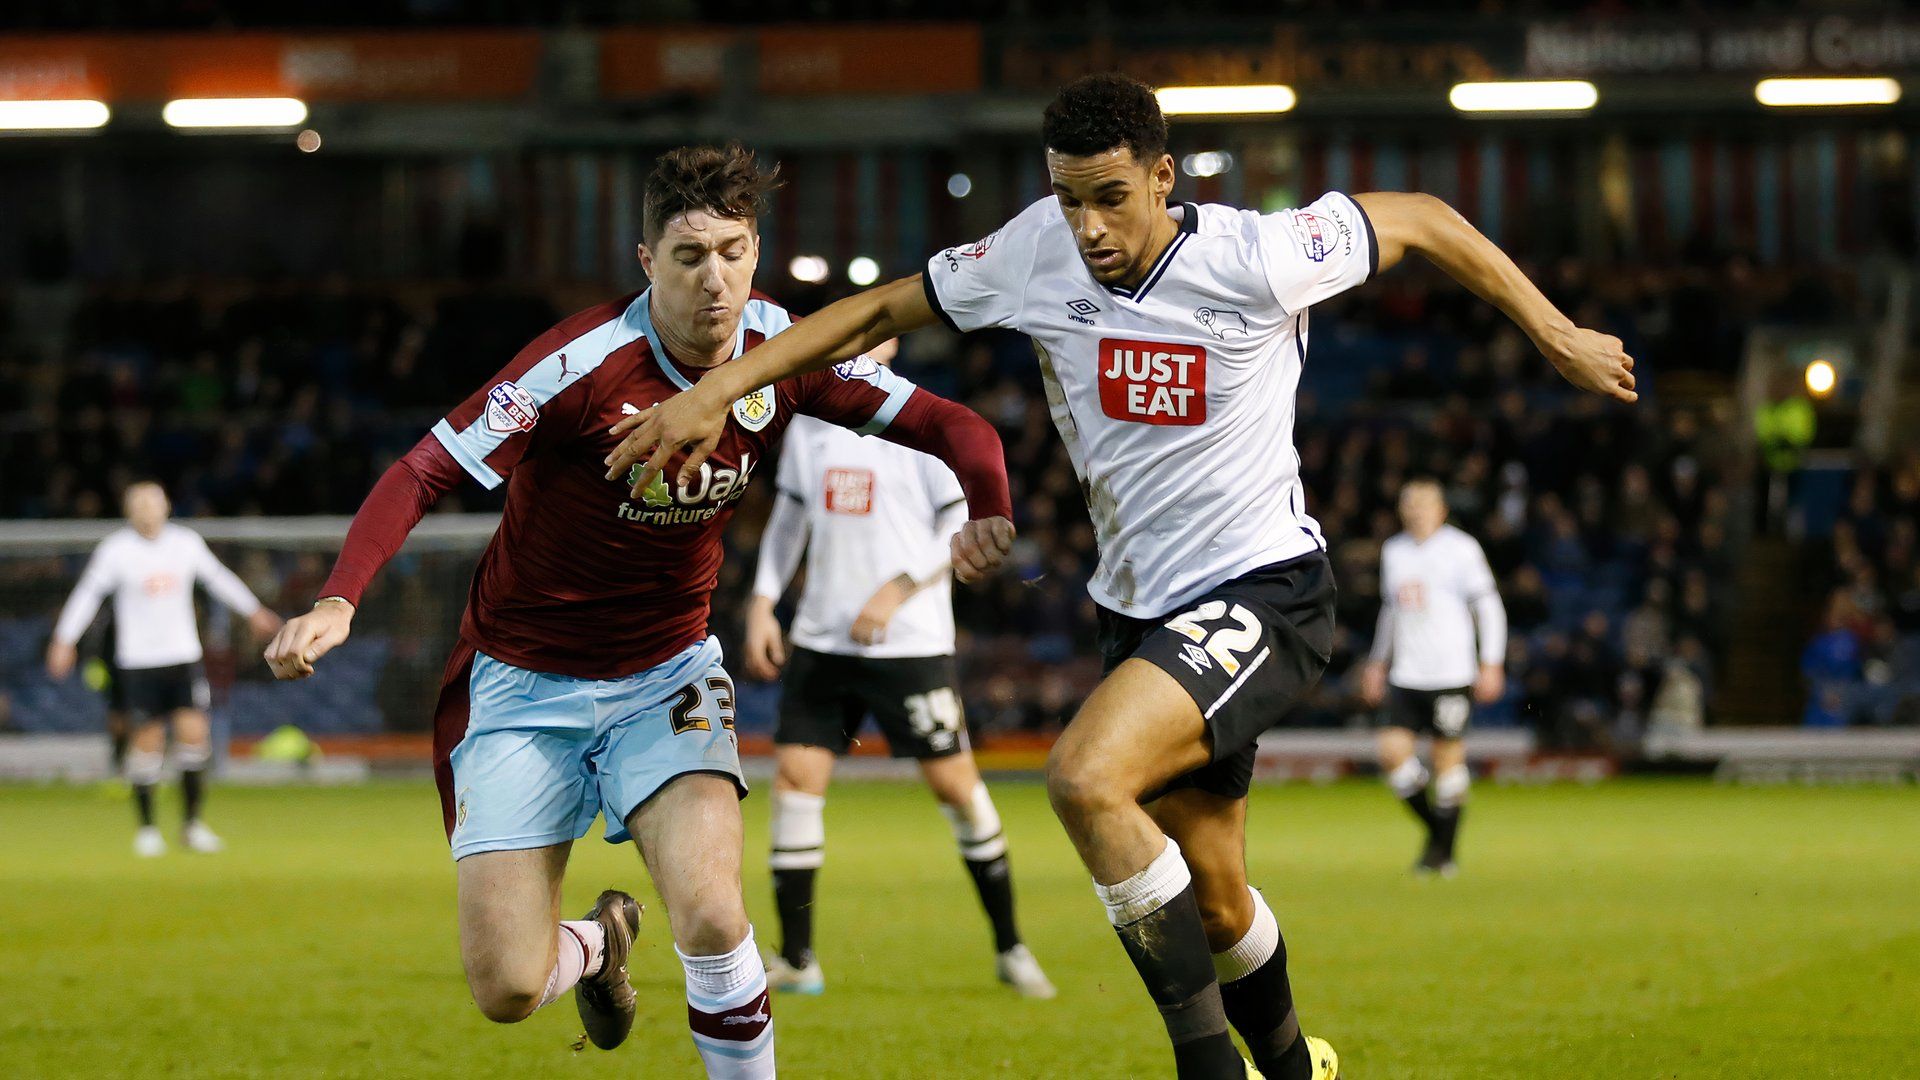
150 568
1436 589
873 636
585 680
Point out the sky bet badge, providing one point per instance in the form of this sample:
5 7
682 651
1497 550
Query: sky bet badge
755 410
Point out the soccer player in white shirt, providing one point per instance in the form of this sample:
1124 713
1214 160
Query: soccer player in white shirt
1435 589
873 636
150 568
1170 340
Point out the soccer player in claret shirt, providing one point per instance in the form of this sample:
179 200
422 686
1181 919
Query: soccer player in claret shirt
584 681
1171 337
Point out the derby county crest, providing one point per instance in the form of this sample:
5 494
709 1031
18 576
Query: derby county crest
755 410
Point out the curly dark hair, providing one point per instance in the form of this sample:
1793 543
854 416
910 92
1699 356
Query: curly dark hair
722 180
1096 113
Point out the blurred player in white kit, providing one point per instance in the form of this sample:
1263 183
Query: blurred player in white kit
1436 590
149 569
873 636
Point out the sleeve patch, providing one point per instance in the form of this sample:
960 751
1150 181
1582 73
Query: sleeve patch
863 368
1317 234
510 409
974 251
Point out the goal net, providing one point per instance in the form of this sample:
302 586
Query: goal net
384 679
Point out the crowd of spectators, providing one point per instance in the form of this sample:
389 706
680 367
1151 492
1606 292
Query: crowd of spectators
1862 666
1608 527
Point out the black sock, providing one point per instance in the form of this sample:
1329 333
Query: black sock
793 896
1446 830
1260 1005
1422 808
1169 949
994 879
143 801
117 740
193 788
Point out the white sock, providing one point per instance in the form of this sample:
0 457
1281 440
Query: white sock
1253 950
729 1012
580 951
143 767
1450 787
977 828
1407 778
1149 890
799 829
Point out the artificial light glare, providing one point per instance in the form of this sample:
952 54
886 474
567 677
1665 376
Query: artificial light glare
811 269
234 112
1207 163
1568 95
1821 378
78 114
1796 93
1226 100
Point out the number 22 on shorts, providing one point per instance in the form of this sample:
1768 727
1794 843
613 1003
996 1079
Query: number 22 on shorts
1226 645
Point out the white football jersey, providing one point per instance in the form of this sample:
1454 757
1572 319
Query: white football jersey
872 511
1431 595
1175 398
151 582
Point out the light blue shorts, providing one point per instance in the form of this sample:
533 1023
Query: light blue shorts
544 755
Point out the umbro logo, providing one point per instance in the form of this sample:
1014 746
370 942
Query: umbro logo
1196 658
1082 308
627 409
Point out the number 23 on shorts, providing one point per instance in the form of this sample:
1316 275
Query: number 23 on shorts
700 703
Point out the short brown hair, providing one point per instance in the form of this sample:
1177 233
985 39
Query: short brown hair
725 181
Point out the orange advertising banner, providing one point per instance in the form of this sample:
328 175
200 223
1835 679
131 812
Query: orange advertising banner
479 65
643 63
870 60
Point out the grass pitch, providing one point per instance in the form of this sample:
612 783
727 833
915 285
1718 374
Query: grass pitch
1633 930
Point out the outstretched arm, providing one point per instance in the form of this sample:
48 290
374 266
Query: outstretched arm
404 494
1593 361
693 420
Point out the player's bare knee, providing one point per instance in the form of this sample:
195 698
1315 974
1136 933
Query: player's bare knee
1081 788
505 992
710 927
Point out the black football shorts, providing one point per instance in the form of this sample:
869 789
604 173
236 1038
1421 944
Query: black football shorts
1247 651
825 698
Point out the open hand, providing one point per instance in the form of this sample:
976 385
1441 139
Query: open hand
685 421
766 646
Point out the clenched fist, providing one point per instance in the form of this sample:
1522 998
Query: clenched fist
305 639
981 547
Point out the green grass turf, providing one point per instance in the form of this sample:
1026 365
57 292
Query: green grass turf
1634 930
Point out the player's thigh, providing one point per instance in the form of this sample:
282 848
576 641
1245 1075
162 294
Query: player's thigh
817 708
1448 754
190 727
509 903
1211 830
689 834
1137 731
1395 745
802 768
520 775
149 735
952 778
